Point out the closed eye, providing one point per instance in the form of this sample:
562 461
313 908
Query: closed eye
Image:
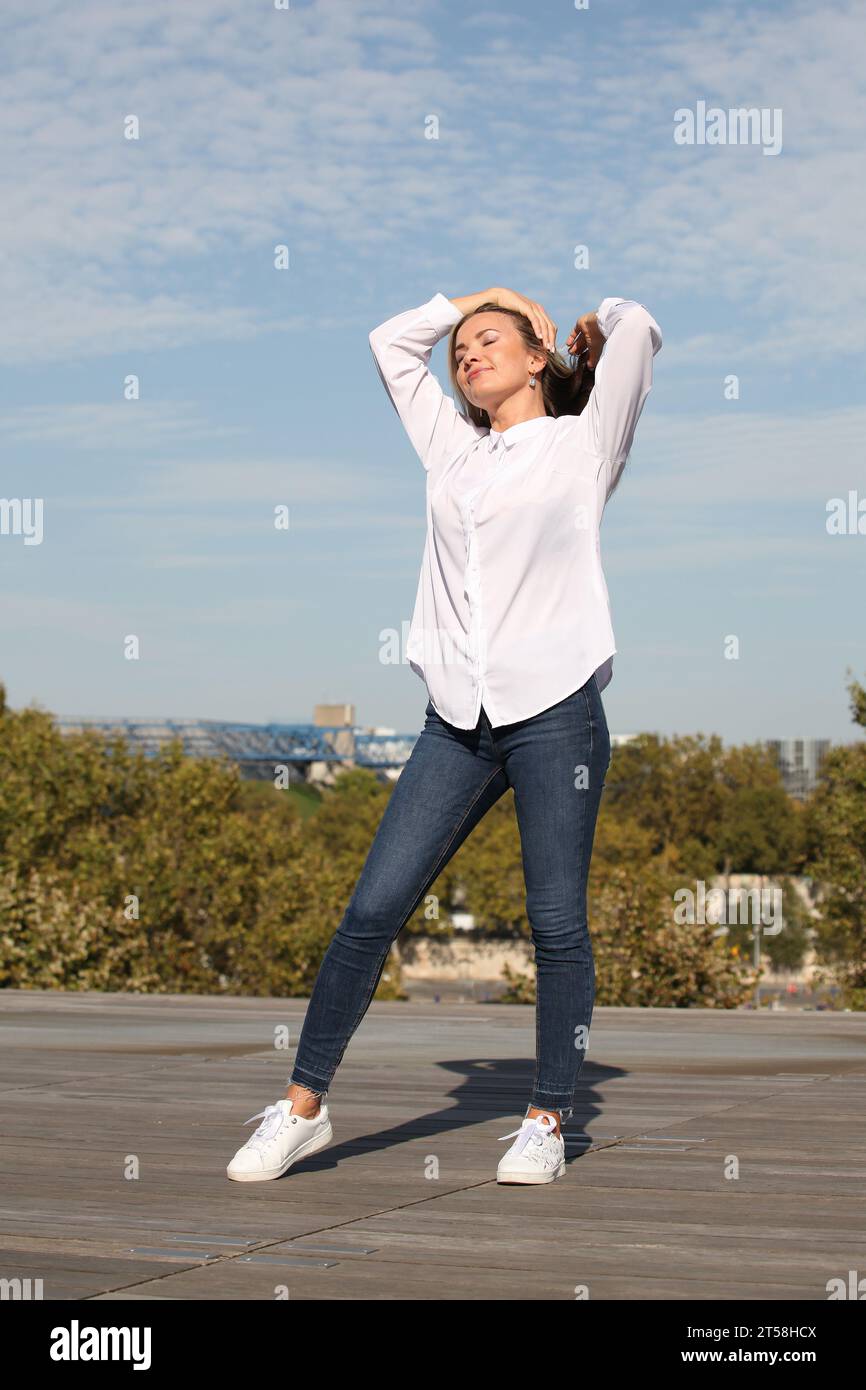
485 342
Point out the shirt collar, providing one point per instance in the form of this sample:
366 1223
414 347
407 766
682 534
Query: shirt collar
497 439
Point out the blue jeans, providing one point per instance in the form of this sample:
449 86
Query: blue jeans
556 763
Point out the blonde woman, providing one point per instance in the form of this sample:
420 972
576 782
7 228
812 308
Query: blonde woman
511 633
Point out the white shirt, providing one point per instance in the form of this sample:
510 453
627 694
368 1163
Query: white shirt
512 609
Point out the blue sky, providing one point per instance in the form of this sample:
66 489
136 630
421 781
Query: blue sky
305 127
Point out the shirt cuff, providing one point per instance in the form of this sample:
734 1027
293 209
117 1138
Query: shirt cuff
603 313
441 313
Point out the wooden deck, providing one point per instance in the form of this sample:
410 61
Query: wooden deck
404 1204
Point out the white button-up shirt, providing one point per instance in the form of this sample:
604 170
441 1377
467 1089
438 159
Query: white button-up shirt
512 609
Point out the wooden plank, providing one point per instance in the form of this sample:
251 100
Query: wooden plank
645 1209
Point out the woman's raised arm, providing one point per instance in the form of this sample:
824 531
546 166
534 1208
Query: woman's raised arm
623 379
401 349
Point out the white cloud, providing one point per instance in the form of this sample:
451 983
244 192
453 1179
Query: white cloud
260 126
94 425
98 622
738 456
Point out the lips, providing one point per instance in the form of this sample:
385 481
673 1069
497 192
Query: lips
477 372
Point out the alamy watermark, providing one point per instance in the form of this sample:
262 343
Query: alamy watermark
432 646
741 125
22 516
759 907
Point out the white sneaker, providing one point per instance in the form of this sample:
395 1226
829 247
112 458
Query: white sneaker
280 1140
537 1154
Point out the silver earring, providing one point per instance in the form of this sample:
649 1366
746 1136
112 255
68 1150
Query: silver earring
532 379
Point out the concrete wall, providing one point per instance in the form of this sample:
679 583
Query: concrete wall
462 958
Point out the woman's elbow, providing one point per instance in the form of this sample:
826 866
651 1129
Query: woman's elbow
655 332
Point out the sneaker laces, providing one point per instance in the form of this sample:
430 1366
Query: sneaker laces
273 1118
535 1133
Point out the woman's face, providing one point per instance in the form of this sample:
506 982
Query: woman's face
492 359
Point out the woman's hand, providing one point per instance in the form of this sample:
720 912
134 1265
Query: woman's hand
543 327
586 337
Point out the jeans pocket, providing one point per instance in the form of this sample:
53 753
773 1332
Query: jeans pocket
602 719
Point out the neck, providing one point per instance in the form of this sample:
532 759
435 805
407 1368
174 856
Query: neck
527 404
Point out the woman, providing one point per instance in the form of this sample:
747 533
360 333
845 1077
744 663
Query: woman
511 633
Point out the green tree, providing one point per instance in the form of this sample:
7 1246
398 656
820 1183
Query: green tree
837 860
644 957
124 872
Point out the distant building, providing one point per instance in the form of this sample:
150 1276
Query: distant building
326 716
338 721
799 761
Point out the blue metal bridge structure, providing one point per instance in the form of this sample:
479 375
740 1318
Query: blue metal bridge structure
257 748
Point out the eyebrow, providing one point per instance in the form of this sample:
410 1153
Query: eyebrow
491 328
